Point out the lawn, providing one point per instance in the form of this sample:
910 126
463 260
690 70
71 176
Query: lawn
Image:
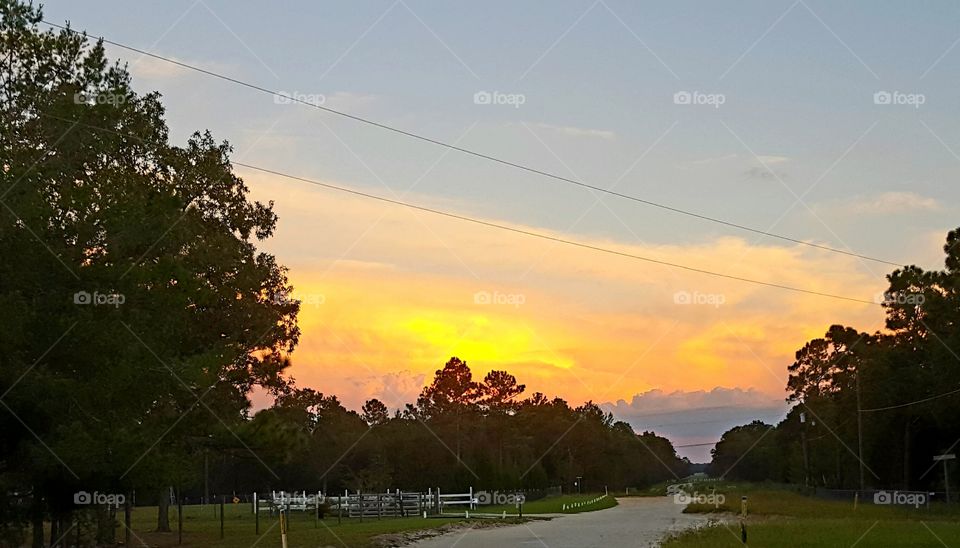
201 527
785 518
555 505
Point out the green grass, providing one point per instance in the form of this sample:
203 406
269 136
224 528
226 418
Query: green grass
555 505
201 527
788 519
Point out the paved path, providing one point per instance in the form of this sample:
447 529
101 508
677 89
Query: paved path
636 521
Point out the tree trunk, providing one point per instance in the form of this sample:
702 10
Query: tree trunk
37 520
163 511
106 524
906 455
54 531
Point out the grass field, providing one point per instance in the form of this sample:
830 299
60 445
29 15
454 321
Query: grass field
201 527
555 505
784 518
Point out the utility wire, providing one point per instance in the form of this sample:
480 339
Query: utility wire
482 155
508 228
924 400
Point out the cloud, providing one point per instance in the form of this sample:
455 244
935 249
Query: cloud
773 159
764 174
571 131
400 298
658 402
892 202
696 419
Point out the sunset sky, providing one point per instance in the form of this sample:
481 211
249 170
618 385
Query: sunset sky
797 147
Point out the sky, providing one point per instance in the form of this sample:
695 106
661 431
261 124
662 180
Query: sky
828 122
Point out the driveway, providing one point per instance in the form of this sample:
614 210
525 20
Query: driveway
635 521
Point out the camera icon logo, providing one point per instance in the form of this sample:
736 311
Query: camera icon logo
482 297
682 98
882 98
882 497
682 297
82 297
482 98
682 497
82 497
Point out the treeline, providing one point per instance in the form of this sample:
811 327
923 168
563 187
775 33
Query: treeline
138 315
459 433
905 382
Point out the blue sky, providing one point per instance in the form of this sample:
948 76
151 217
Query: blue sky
798 145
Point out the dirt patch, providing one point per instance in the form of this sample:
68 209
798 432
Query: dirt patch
394 540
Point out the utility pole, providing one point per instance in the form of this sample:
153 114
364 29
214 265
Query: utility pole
859 427
803 443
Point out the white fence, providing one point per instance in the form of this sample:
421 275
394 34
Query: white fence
391 503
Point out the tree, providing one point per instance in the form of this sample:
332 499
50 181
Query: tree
375 413
99 208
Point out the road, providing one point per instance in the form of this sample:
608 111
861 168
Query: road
634 522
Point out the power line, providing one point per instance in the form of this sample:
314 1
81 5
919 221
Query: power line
481 155
924 400
490 224
696 444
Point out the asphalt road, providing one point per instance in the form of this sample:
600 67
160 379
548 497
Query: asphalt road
634 522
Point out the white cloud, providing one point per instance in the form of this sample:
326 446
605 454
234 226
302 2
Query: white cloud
658 402
894 202
773 159
571 131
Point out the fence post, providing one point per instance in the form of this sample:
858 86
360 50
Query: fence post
256 514
222 500
360 501
471 498
283 528
179 517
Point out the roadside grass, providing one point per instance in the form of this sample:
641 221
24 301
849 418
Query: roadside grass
201 527
789 518
555 505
